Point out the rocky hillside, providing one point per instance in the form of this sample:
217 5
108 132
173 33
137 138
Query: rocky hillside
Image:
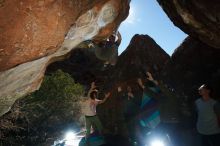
143 54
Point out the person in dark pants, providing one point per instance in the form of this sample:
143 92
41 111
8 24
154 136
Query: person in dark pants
89 110
207 122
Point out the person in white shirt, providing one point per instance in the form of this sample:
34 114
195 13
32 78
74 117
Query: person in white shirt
207 122
89 110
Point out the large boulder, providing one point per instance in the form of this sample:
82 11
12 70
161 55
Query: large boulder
192 64
39 28
199 19
33 29
143 54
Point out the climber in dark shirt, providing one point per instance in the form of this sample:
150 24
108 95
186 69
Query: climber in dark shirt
107 50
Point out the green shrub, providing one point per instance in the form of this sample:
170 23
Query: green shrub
59 86
44 114
57 98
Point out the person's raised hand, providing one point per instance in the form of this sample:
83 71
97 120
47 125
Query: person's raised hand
90 45
93 85
130 94
150 77
107 94
95 90
139 81
119 89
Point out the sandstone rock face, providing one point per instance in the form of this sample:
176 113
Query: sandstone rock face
200 19
33 29
40 21
193 64
142 54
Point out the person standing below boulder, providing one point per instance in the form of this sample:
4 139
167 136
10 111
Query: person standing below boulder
207 122
89 110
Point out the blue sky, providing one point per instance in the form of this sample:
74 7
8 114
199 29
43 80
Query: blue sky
147 17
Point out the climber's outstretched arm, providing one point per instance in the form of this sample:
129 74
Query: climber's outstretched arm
119 39
106 97
92 88
140 83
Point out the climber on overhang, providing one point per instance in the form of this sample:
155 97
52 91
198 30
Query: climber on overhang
107 50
